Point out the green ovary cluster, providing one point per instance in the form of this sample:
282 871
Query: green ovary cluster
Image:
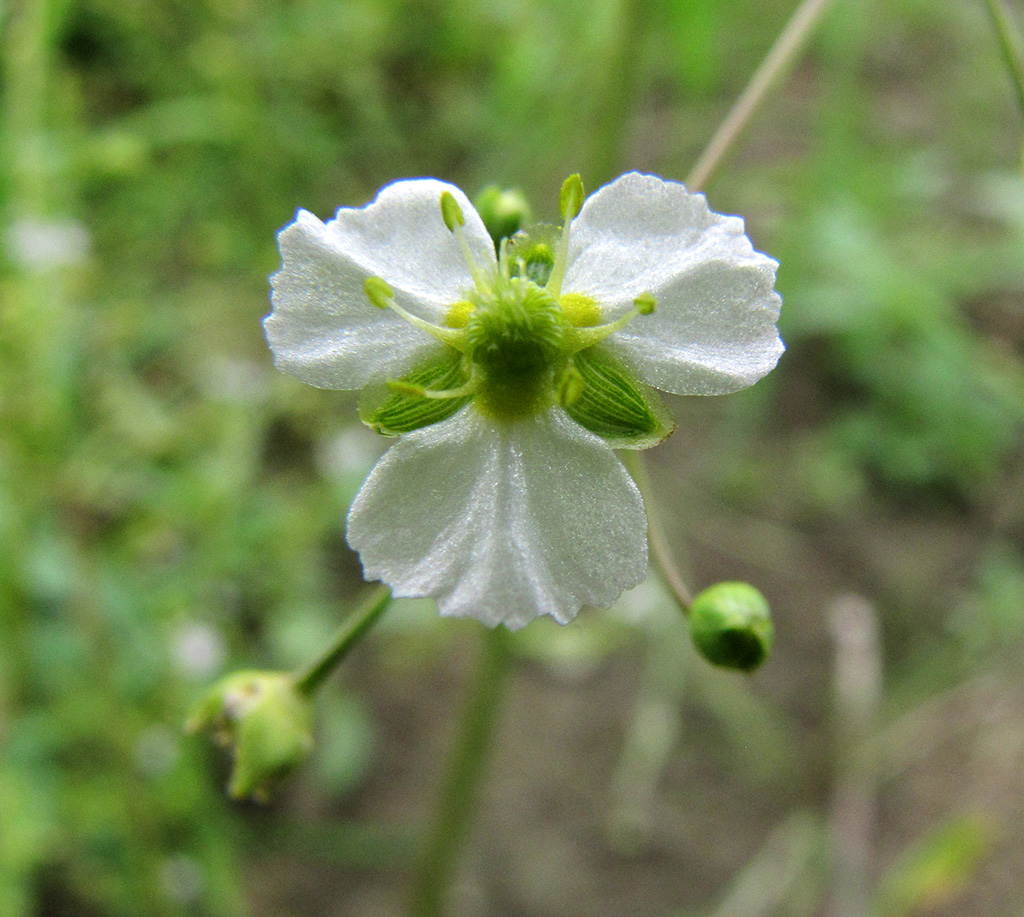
516 341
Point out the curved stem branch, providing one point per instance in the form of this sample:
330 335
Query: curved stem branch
661 554
782 54
347 636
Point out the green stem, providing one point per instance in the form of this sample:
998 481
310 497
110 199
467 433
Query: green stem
778 60
1011 44
661 554
348 635
446 834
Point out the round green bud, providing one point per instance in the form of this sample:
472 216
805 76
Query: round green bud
504 211
265 722
731 626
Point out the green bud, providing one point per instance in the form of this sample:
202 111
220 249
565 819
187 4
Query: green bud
378 292
504 212
570 200
451 212
265 722
731 626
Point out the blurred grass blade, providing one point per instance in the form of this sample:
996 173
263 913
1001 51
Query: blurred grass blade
1011 44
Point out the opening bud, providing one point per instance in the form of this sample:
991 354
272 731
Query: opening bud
731 626
265 722
451 212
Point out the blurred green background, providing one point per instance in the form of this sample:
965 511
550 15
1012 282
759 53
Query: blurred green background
172 509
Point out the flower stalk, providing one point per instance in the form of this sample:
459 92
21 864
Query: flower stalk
354 628
661 554
447 832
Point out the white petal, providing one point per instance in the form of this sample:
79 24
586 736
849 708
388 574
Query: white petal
323 329
502 522
714 327
401 237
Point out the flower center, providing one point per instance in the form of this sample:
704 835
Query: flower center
517 331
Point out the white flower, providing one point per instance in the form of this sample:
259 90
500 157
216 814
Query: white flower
508 380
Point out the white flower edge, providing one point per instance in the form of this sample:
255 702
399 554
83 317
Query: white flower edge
714 330
323 329
504 522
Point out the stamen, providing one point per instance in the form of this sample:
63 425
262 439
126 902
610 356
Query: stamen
570 202
454 219
383 297
451 212
581 338
471 387
505 259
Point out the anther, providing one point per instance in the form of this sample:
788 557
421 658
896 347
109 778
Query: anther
471 387
454 219
570 202
381 296
581 338
378 292
645 303
571 389
451 212
570 198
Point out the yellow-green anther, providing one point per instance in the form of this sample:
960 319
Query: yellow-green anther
378 292
570 199
383 297
571 389
451 212
570 202
645 303
731 626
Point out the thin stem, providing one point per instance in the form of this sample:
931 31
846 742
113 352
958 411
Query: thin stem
1011 44
446 834
661 554
348 635
854 815
778 60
